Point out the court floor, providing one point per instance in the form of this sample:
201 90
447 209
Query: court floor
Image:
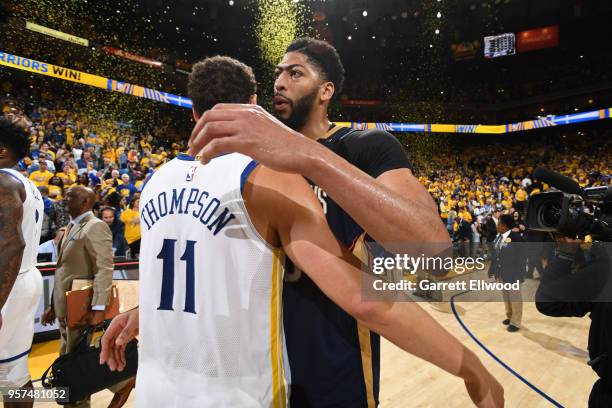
550 353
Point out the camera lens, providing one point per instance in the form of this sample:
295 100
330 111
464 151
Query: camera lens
549 214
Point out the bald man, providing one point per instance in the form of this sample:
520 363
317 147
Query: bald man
85 252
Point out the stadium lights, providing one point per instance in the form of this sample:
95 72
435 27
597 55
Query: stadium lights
365 13
231 2
350 37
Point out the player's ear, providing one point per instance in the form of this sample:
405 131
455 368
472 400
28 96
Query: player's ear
328 90
253 99
196 115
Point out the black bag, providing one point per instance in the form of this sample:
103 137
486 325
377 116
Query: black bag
81 372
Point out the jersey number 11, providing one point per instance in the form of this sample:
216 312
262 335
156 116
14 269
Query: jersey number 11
167 290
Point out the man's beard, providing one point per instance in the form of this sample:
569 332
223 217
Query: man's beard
300 110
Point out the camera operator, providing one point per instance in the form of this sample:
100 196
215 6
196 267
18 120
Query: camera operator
571 286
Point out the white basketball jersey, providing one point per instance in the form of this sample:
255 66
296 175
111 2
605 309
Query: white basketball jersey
31 223
210 292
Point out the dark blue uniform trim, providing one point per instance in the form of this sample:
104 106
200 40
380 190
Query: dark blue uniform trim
185 157
17 357
246 173
13 176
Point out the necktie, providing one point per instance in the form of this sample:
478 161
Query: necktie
498 241
68 229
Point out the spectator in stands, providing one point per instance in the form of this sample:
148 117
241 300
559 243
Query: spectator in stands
68 175
117 228
518 224
85 159
126 189
463 235
42 176
114 181
62 151
61 216
131 219
56 188
49 154
77 150
45 157
47 202
83 180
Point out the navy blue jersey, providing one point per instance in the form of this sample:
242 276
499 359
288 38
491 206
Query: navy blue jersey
335 361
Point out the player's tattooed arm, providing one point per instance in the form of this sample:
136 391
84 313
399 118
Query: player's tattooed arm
11 237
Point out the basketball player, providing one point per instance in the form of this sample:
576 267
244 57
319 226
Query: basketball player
363 181
21 214
209 318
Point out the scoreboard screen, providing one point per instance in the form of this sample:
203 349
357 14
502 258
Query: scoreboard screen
499 45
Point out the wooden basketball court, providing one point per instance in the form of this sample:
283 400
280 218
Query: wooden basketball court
550 353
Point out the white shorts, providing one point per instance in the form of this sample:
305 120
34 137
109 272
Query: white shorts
17 329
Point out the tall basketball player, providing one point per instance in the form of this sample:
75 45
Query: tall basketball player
21 213
213 241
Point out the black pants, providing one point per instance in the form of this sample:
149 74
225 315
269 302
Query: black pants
135 249
600 396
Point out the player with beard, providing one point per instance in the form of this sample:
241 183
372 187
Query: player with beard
342 368
364 182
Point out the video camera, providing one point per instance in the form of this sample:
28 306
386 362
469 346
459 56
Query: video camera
567 211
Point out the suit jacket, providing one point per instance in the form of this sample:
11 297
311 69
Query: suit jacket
86 254
490 230
509 261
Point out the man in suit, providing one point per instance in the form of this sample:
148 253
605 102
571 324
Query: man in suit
490 231
508 266
85 252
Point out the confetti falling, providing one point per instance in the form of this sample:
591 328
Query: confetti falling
101 23
278 23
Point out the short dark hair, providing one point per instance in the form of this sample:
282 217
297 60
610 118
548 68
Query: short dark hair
324 56
507 220
13 135
220 79
107 208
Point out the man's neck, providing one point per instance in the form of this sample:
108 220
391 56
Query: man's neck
74 217
316 126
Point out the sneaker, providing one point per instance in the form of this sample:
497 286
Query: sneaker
512 328
506 322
